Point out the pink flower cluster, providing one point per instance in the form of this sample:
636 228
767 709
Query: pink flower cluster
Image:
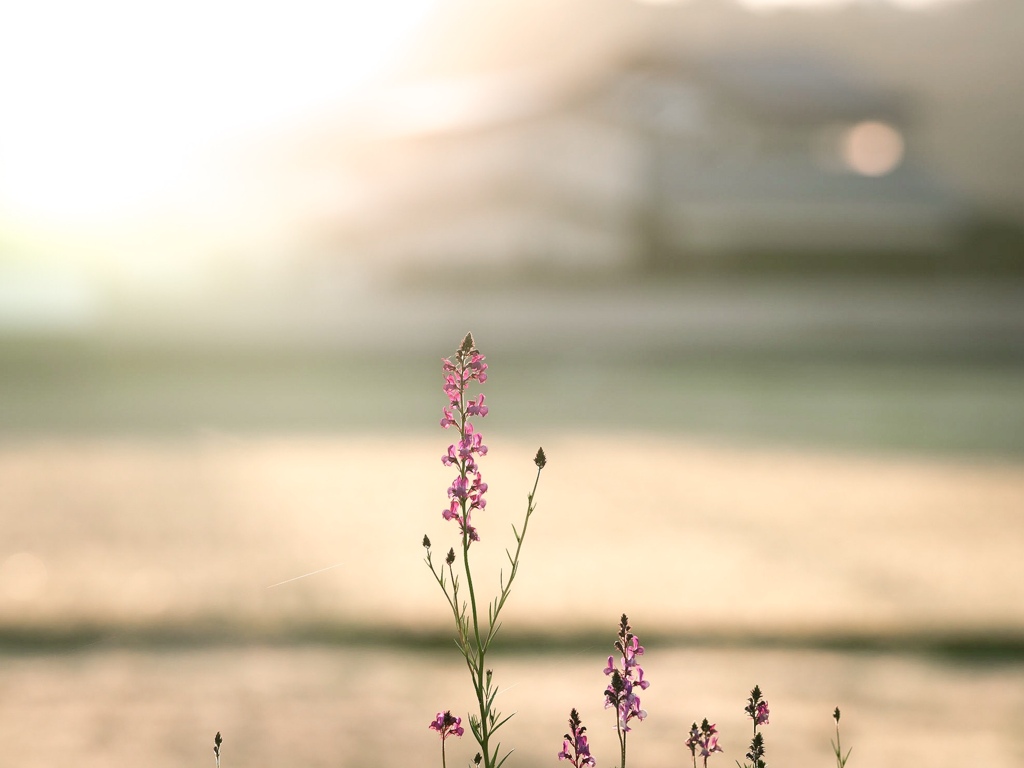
757 708
466 492
761 713
705 738
575 746
621 691
447 725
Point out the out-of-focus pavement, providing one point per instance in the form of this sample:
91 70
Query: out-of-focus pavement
691 539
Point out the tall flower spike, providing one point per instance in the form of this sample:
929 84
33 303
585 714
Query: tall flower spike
757 708
757 711
575 746
621 691
693 742
708 741
468 488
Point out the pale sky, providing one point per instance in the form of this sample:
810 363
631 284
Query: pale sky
106 105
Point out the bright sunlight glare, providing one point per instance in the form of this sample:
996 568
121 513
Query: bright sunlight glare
106 104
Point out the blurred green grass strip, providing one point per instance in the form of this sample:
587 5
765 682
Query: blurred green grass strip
931 403
953 646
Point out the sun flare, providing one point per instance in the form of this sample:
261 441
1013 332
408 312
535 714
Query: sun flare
109 106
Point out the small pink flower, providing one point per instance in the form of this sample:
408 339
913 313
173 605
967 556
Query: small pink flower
451 458
640 679
710 746
477 407
565 754
459 488
447 725
467 528
694 740
633 648
478 367
761 717
448 421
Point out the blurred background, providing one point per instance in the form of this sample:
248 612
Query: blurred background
751 271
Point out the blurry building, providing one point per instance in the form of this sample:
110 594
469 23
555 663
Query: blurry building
654 163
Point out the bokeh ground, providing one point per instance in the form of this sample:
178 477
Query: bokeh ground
686 537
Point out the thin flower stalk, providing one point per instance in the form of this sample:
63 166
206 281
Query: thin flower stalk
446 725
622 691
757 711
837 745
575 746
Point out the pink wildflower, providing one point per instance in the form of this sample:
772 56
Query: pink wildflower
757 708
761 715
640 679
447 420
477 407
447 725
575 746
704 738
620 691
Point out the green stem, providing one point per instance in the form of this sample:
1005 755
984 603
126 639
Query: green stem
474 654
439 578
476 663
514 560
